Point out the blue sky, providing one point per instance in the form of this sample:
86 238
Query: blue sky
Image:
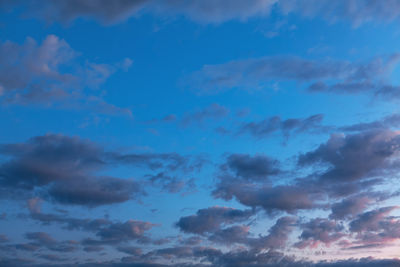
199 133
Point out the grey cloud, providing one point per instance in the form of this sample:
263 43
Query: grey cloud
3 238
31 73
320 230
28 246
206 11
269 126
257 167
272 199
390 121
65 166
119 232
258 72
213 111
64 169
42 239
278 235
357 12
355 156
231 235
156 161
172 184
210 219
369 221
52 257
95 192
131 250
108 232
352 206
376 228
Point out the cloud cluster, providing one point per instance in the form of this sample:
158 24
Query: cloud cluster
49 72
357 12
65 170
211 219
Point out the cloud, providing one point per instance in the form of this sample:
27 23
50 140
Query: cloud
120 232
357 12
95 191
320 230
369 221
231 235
135 251
42 239
354 157
64 169
387 122
257 167
213 111
257 73
3 238
108 232
49 72
289 198
278 235
205 11
352 206
269 126
376 227
211 219
157 161
172 184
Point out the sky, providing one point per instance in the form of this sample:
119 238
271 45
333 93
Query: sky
194 133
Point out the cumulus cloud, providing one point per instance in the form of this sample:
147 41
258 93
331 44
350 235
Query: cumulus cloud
369 221
35 73
375 228
211 219
289 198
278 235
355 156
257 167
66 166
64 169
353 205
318 231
